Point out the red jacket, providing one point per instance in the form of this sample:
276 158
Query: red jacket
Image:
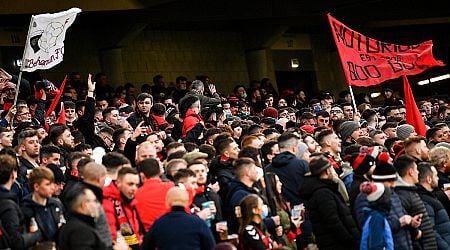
111 194
190 121
151 198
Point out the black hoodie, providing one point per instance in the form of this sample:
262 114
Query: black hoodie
291 172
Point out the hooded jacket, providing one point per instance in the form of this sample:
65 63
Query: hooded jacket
401 235
291 172
13 222
331 219
438 216
413 206
48 217
110 195
190 121
223 173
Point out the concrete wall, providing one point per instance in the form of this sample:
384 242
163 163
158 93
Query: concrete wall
220 55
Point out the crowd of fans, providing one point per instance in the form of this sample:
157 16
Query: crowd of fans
185 167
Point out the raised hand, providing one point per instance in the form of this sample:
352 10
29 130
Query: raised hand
91 85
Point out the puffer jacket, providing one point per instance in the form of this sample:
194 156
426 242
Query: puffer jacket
413 206
438 216
291 172
401 235
332 221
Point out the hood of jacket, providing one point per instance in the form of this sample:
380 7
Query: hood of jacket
5 194
312 183
112 192
283 159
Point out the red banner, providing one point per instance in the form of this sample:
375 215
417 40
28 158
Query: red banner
367 61
413 116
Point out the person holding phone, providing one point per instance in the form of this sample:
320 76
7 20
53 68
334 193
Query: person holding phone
290 218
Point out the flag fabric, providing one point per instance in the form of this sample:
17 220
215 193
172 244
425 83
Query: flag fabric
62 115
44 47
413 116
57 98
368 62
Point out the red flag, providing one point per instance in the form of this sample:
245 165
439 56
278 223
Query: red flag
57 97
62 115
368 62
413 116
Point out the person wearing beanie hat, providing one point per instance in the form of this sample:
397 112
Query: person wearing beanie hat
332 222
350 131
404 131
376 232
270 112
59 180
363 165
386 174
347 129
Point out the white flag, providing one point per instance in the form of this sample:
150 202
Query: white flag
44 47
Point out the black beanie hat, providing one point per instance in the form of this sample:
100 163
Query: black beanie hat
361 163
57 172
384 171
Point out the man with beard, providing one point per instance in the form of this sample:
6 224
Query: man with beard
416 147
428 182
28 145
120 207
60 136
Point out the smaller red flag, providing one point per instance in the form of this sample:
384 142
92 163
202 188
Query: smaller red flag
62 115
413 116
57 97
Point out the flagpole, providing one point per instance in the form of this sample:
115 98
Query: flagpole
23 62
18 87
353 98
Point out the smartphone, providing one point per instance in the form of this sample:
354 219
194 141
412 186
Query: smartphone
298 211
295 212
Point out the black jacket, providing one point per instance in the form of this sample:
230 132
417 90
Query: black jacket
86 122
413 206
48 217
80 233
13 222
291 172
354 188
332 221
221 172
438 216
